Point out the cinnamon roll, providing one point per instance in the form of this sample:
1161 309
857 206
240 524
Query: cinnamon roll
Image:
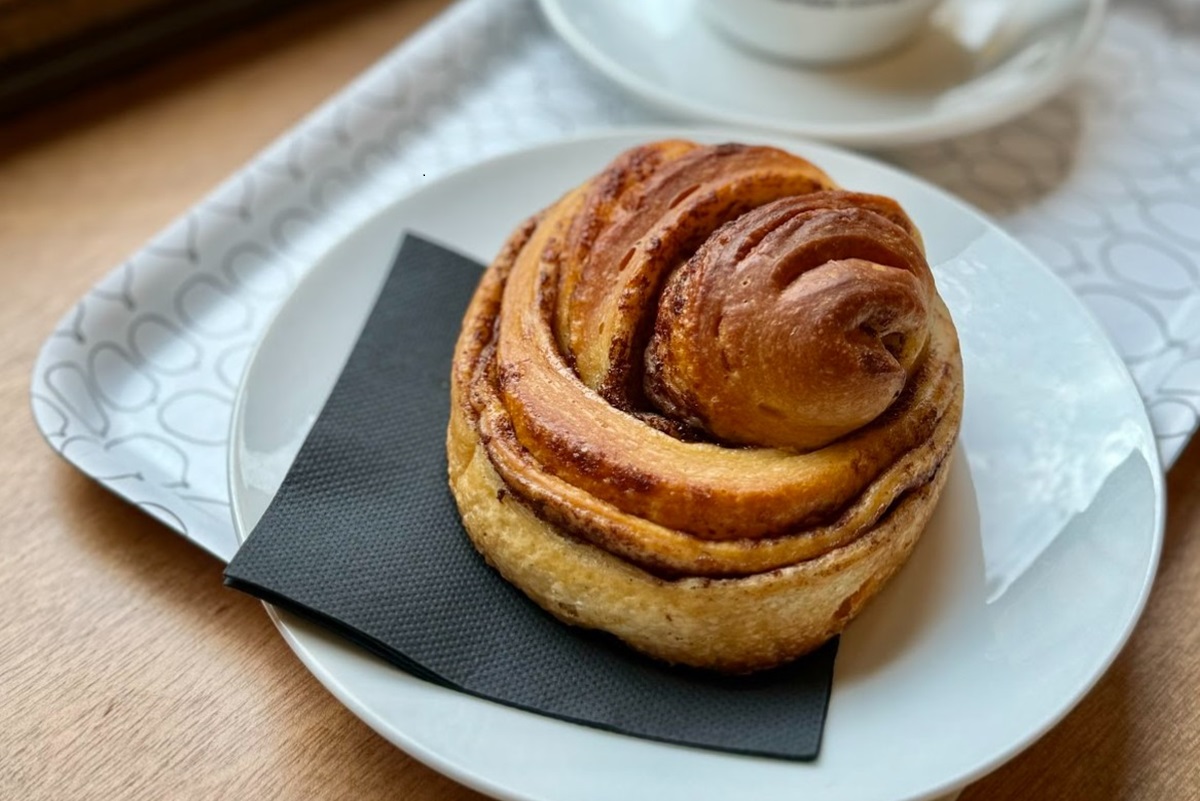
705 402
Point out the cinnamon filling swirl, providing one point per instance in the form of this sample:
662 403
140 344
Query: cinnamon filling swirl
710 362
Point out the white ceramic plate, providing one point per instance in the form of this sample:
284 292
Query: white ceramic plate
979 63
1023 589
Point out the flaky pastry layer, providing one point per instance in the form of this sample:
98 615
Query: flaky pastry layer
705 402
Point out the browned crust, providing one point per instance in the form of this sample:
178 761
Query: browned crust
549 435
733 625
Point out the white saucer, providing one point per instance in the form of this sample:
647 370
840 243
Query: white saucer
972 68
1022 590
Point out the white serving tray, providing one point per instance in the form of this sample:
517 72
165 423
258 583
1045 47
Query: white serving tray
136 383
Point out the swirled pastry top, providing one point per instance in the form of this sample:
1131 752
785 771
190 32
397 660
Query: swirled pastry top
711 361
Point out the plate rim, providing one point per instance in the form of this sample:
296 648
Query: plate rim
472 779
849 134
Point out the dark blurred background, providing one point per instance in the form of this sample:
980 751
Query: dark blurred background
49 48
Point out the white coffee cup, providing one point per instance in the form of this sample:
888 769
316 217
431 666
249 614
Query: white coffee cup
819 31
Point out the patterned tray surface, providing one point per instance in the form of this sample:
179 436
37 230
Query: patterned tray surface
136 385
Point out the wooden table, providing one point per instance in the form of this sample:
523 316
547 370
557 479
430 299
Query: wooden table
128 671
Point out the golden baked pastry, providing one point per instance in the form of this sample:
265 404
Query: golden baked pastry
705 402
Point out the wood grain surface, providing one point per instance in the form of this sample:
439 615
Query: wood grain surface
128 671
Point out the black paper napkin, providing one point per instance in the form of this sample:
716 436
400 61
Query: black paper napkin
364 537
